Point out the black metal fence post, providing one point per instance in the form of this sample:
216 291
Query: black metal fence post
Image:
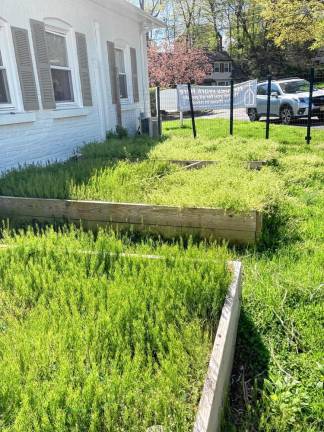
310 106
268 107
194 130
232 109
158 109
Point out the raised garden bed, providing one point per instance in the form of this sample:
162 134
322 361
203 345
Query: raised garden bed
222 202
120 339
169 222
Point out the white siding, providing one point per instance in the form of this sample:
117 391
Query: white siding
54 135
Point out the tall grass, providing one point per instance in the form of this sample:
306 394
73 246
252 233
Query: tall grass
279 370
93 341
220 149
228 185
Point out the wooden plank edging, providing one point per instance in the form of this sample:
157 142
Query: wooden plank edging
186 164
209 223
198 164
215 390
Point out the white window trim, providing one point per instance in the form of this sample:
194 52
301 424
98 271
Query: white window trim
123 46
217 71
73 62
9 61
227 65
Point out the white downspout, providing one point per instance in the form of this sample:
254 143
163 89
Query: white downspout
101 83
145 78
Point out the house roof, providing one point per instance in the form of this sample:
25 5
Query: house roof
122 6
219 56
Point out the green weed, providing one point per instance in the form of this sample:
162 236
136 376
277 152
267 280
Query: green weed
93 341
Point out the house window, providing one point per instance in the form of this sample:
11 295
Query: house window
60 68
4 89
217 67
223 67
120 63
227 67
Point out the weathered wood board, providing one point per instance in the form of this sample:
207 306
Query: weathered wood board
169 222
190 164
215 390
198 164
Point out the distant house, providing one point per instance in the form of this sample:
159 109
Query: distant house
224 68
222 71
69 72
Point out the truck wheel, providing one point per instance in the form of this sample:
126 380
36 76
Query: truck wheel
321 117
253 115
286 115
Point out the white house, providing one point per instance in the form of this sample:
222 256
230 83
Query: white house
222 69
70 70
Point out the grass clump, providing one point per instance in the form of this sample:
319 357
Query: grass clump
93 341
86 179
221 186
123 182
219 149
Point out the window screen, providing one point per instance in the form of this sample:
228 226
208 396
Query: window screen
60 70
120 63
57 51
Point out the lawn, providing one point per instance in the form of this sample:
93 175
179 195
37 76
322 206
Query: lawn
287 136
278 377
92 340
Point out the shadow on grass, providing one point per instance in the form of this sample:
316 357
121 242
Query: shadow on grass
251 363
54 179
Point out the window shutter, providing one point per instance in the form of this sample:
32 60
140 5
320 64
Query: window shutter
25 69
112 71
43 66
84 68
134 75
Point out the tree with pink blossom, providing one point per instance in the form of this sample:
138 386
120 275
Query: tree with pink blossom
174 64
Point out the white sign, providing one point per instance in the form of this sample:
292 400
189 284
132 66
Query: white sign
169 100
217 97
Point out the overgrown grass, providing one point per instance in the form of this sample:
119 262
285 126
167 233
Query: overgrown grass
91 341
279 371
219 149
229 185
225 186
